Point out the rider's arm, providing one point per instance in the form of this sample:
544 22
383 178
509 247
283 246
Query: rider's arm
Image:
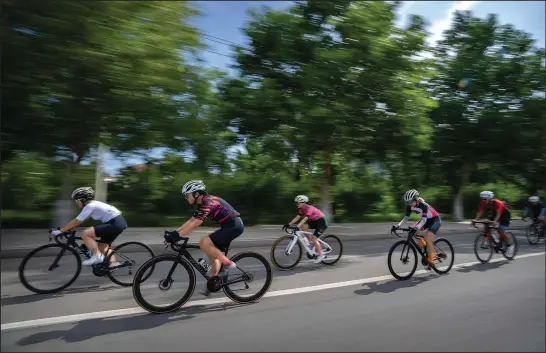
189 226
525 210
406 215
295 219
84 214
302 222
481 208
498 208
424 218
72 224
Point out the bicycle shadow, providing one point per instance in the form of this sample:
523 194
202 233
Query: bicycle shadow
31 298
394 284
88 329
482 267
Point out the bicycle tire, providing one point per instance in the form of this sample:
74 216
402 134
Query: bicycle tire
515 242
536 232
451 259
236 298
340 247
272 253
116 250
137 294
479 238
62 249
389 259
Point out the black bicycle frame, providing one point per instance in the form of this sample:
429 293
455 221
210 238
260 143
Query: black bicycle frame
182 250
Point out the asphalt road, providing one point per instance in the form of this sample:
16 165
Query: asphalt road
353 306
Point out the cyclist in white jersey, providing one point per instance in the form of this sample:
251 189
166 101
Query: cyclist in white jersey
113 224
430 220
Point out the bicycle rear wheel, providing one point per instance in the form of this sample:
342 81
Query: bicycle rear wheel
532 234
331 239
129 264
404 258
444 253
45 253
164 284
483 242
247 276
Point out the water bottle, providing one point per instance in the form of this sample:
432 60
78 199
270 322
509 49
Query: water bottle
203 264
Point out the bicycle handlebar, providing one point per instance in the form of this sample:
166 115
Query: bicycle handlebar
395 228
65 235
486 223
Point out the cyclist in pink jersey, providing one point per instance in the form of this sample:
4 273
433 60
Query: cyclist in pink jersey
312 218
430 220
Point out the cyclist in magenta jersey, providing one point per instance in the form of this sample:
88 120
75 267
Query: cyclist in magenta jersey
316 219
430 220
218 210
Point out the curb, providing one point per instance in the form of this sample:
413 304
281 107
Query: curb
159 247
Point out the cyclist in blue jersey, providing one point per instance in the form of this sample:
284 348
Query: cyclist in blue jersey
537 209
430 220
216 209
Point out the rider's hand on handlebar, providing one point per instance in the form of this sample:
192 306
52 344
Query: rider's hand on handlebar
56 232
172 236
412 230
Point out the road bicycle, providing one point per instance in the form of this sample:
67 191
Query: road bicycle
419 246
300 238
214 283
486 241
534 231
66 243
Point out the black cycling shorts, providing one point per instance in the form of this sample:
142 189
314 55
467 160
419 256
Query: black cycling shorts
109 231
230 229
319 225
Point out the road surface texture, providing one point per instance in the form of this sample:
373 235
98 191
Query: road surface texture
355 305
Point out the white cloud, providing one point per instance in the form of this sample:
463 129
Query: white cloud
438 27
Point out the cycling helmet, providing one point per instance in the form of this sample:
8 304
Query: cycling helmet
83 193
301 198
411 195
533 199
193 186
486 195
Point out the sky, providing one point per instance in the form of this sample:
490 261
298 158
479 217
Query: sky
222 23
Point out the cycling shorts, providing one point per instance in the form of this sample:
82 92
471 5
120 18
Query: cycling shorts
319 225
230 229
504 220
433 224
109 231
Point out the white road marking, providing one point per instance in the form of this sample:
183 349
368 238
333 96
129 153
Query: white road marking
138 310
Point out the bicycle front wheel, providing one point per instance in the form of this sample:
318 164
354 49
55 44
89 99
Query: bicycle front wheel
133 254
65 260
164 284
482 242
532 234
405 257
445 256
249 274
279 253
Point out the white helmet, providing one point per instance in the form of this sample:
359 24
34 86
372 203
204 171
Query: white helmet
301 198
83 193
486 195
533 199
411 195
193 186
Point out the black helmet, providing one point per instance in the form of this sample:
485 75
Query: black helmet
83 193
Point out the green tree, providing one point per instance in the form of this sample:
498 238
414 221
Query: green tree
329 78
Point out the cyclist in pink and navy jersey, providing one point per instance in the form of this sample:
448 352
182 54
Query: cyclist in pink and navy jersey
216 209
312 218
430 220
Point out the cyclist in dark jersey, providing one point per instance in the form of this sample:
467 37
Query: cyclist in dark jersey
537 210
430 221
501 216
216 209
